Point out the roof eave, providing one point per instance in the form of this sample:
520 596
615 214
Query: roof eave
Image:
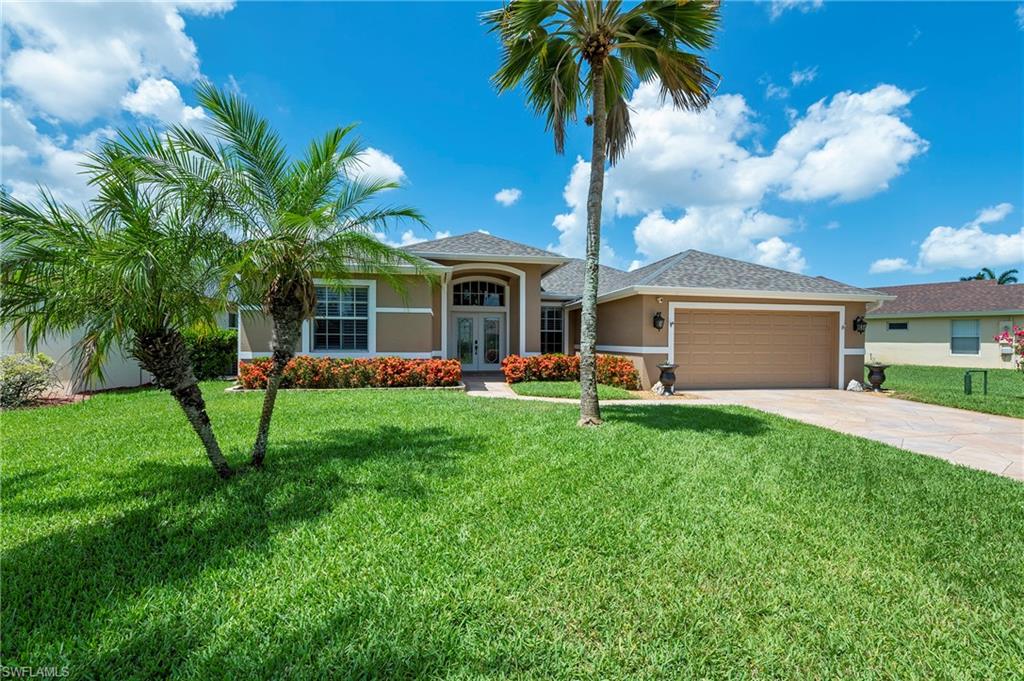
708 292
484 257
942 314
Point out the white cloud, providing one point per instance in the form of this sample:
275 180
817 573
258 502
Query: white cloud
800 76
711 167
968 246
1020 17
832 224
971 246
376 165
75 61
507 197
885 265
779 7
161 99
774 91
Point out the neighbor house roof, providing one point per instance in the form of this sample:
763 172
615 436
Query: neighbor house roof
482 246
704 273
952 297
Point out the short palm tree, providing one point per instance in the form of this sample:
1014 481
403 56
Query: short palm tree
133 272
297 219
1007 277
567 52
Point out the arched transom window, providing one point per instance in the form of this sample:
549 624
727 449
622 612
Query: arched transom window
475 293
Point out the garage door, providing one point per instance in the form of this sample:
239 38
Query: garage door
755 349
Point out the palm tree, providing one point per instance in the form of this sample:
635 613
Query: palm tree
297 219
1007 277
568 51
133 272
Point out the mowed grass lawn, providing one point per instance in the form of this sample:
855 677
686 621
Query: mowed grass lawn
568 389
945 386
427 533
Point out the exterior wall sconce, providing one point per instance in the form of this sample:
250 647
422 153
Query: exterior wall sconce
860 325
659 321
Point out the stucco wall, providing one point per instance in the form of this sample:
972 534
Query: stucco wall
927 342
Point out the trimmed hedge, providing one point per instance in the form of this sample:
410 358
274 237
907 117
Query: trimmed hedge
213 353
611 369
330 372
24 378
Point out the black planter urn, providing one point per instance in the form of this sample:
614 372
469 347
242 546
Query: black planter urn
876 376
668 378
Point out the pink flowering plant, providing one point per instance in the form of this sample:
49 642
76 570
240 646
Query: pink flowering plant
1014 338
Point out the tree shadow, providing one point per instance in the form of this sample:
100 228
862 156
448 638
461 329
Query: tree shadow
689 418
182 521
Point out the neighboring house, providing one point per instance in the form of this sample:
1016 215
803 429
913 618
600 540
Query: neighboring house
727 323
948 324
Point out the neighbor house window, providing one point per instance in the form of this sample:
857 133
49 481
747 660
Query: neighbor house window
342 318
232 320
965 339
478 294
898 326
551 329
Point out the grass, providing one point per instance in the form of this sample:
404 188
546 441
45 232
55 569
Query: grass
402 534
945 386
568 389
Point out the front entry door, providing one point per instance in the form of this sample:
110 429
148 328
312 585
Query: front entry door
479 341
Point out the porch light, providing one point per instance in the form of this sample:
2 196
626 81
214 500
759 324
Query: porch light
860 324
659 321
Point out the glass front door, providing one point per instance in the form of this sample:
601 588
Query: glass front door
479 341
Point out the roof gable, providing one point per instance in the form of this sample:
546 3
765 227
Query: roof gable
479 245
952 297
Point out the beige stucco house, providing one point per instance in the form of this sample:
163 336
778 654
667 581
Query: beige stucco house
945 324
726 323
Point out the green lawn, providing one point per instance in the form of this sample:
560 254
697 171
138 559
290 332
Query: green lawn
945 385
568 389
426 533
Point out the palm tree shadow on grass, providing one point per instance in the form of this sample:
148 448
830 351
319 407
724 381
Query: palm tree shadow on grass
189 523
683 418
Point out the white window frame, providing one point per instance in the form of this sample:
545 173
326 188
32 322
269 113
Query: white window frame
952 325
561 313
371 321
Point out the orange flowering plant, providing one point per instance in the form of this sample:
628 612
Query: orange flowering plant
304 371
611 369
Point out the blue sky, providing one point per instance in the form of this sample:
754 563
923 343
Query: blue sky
875 143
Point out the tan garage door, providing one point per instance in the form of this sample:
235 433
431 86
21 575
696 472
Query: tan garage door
756 349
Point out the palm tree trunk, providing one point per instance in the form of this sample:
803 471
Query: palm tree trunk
164 354
287 317
590 410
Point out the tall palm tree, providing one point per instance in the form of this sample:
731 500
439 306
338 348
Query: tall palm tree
298 219
133 272
569 51
1007 277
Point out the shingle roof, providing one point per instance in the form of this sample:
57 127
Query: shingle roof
567 280
478 244
952 297
696 269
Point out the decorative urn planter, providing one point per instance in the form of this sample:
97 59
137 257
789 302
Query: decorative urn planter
668 377
876 376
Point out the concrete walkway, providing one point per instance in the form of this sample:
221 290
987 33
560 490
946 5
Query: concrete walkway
982 441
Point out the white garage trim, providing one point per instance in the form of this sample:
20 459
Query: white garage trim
853 351
762 307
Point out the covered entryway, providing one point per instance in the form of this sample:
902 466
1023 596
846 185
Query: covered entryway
757 346
479 340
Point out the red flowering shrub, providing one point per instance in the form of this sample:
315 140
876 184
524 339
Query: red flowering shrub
611 369
1013 339
304 371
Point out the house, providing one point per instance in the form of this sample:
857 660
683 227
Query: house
727 323
946 324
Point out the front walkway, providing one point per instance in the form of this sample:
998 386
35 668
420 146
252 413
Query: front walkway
982 441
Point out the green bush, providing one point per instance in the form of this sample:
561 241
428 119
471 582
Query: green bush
23 378
214 353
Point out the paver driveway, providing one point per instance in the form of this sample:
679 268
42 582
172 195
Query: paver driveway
983 441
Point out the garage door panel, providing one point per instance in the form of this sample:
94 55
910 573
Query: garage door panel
755 349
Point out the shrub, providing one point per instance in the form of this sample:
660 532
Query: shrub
1014 339
23 378
378 372
213 353
611 369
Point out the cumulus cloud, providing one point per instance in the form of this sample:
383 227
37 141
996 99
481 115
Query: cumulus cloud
374 164
1020 17
780 7
800 76
773 91
159 98
886 265
966 247
710 171
507 197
